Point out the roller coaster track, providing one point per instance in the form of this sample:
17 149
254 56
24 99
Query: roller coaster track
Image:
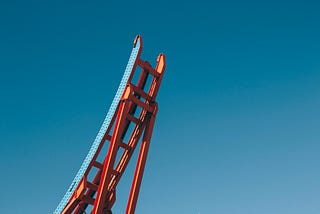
133 106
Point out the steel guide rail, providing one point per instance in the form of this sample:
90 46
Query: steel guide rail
130 66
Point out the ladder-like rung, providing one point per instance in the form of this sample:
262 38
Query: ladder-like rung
147 67
133 119
124 145
87 200
92 186
97 165
142 104
140 92
106 137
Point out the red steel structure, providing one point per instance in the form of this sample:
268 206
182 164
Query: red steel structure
132 123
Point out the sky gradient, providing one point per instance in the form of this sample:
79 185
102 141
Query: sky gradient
237 130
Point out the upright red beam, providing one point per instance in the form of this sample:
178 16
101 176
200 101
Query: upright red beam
142 158
144 148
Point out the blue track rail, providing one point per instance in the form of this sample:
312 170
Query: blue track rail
130 66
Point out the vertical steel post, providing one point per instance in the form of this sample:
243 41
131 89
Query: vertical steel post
138 174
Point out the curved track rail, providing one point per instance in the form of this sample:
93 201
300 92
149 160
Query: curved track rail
135 53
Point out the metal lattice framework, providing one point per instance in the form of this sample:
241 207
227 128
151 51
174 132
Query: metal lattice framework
130 118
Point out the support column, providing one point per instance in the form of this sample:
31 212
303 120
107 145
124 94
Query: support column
134 191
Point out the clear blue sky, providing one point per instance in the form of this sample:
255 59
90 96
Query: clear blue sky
239 108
